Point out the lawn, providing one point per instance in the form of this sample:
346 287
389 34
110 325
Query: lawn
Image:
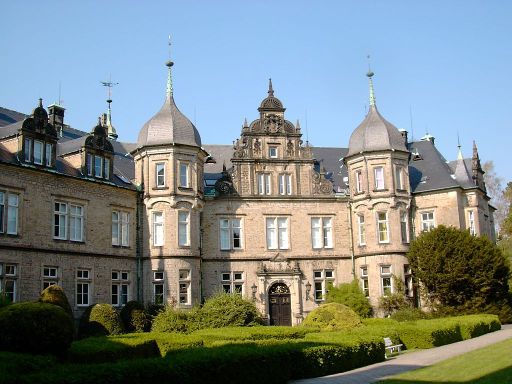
490 365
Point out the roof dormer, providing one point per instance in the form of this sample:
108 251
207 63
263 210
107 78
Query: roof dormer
98 154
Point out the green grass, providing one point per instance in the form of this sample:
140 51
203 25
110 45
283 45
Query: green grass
487 365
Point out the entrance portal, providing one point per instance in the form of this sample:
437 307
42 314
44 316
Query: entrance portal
279 305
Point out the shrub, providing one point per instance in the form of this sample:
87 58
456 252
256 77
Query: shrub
100 320
4 300
35 328
332 316
253 333
55 295
227 310
410 314
395 301
135 318
173 320
351 295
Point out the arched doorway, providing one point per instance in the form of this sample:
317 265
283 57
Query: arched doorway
279 305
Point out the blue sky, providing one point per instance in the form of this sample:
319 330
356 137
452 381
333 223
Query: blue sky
445 63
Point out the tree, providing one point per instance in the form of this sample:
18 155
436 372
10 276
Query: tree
506 230
458 270
351 295
493 184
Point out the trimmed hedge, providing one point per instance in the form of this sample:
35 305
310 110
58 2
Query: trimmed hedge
55 295
175 320
35 328
100 320
227 310
332 316
135 318
253 333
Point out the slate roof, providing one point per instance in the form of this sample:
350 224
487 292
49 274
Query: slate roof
8 116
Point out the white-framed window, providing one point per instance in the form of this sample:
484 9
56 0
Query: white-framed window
379 178
158 287
359 181
361 229
471 219
264 185
90 164
120 288
48 154
9 212
106 162
285 184
158 229
386 280
160 174
233 282
50 276
399 178
404 226
321 232
383 227
184 175
273 152
121 228
9 280
38 152
98 166
184 287
277 232
364 280
427 221
183 228
408 281
68 221
28 150
230 234
322 278
83 285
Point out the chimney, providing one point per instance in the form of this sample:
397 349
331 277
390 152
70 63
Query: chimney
56 117
404 134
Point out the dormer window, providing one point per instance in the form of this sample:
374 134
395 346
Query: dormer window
38 152
28 150
48 154
98 166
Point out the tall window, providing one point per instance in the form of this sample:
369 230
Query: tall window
9 205
404 227
285 184
50 276
158 287
9 280
121 228
321 232
233 282
28 150
359 181
68 221
379 178
264 184
427 221
386 280
106 162
184 286
323 279
364 280
158 229
230 234
48 154
98 166
277 232
399 178
120 288
83 281
361 229
38 152
184 179
160 174
382 225
471 216
183 228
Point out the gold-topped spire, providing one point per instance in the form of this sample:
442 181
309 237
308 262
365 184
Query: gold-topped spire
169 64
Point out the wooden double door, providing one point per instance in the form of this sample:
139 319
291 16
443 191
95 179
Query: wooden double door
280 308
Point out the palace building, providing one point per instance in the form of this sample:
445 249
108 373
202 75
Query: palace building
170 220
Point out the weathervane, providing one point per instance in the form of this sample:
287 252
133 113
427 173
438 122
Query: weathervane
111 130
109 84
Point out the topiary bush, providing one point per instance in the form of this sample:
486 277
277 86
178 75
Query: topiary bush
410 314
35 328
134 317
100 320
332 316
173 320
227 310
351 295
55 295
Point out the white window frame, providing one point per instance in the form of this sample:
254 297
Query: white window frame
160 174
9 212
120 288
321 279
386 279
230 234
9 280
76 222
273 152
359 181
38 152
379 178
158 229
83 280
427 223
98 166
277 232
120 228
158 284
106 171
50 276
404 226
264 184
471 221
321 232
383 227
285 184
365 285
361 229
399 178
62 213
28 149
233 282
71 219
183 228
48 154
89 159
184 287
184 174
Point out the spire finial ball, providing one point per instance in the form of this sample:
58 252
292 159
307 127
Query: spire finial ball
169 64
370 74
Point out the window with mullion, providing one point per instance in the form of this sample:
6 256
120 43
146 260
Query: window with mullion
76 222
285 184
379 178
82 287
60 228
183 228
184 287
383 228
230 234
160 174
38 152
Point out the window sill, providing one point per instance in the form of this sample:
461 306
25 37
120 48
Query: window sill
359 193
401 190
188 189
383 242
362 245
158 188
121 246
381 190
232 250
68 241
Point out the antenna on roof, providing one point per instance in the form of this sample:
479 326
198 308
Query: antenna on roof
169 65
60 100
459 152
412 126
307 132
109 84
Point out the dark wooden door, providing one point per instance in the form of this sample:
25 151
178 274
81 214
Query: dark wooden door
280 308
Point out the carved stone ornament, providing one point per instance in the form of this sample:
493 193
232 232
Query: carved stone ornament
257 146
321 185
279 288
239 149
290 148
273 123
224 185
